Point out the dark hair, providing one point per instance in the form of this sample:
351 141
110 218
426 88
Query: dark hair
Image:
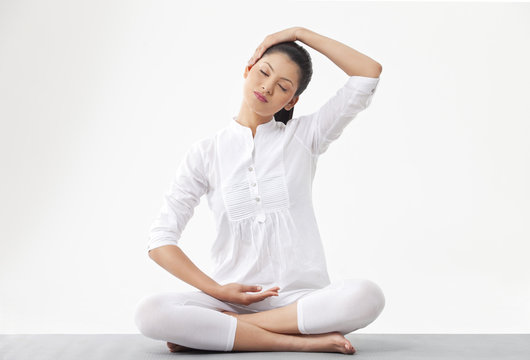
301 57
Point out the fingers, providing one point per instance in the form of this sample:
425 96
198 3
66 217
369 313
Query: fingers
257 54
253 60
246 288
269 292
263 295
251 288
251 298
272 39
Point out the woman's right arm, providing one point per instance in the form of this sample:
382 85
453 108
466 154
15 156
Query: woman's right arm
176 262
184 194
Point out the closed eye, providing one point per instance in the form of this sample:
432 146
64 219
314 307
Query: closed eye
284 90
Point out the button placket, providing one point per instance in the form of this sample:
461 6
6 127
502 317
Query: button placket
254 193
252 181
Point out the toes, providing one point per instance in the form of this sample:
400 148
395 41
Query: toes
348 346
175 347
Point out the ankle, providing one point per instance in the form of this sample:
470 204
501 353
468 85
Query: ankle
303 343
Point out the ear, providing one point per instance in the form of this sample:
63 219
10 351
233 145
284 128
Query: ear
247 69
291 103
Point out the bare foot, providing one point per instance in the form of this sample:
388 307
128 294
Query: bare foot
176 348
328 342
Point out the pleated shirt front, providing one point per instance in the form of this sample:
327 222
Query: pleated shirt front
260 192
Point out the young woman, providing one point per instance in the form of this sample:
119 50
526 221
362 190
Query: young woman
257 173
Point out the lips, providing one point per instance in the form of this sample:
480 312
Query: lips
260 97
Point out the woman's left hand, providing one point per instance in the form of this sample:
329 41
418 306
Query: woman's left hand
274 38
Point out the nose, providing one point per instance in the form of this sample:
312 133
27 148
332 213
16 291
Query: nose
266 87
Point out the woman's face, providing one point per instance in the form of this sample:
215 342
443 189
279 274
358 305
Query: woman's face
275 77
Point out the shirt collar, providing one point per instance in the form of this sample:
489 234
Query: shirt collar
269 125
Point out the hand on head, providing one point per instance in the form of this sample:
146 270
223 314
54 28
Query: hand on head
288 34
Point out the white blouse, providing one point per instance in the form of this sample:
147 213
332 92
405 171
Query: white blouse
259 190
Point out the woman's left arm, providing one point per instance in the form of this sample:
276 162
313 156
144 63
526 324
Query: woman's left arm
351 61
320 128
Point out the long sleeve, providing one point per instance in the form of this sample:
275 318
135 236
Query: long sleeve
319 129
187 187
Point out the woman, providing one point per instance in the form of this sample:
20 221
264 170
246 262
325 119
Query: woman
257 173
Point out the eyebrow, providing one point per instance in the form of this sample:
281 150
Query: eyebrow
280 78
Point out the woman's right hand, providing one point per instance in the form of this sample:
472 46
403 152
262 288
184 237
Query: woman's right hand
236 293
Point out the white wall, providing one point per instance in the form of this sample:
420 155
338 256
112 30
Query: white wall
425 193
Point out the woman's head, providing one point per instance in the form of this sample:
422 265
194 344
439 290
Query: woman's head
281 74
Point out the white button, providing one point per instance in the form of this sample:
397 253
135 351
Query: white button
253 184
257 199
260 218
250 168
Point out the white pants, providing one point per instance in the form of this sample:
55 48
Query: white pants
194 319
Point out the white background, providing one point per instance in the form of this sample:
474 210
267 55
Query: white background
426 192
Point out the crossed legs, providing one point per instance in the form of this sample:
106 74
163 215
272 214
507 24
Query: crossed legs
317 321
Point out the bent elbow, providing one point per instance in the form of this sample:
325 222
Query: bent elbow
377 70
155 252
152 254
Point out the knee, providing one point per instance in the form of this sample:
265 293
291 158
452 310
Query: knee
148 314
365 298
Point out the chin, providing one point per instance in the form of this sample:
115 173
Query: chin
263 114
256 109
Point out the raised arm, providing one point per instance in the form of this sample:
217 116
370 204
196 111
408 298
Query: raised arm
351 61
319 129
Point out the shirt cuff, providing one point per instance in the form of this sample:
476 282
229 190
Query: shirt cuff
363 84
159 243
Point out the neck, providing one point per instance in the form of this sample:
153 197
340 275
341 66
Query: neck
249 118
